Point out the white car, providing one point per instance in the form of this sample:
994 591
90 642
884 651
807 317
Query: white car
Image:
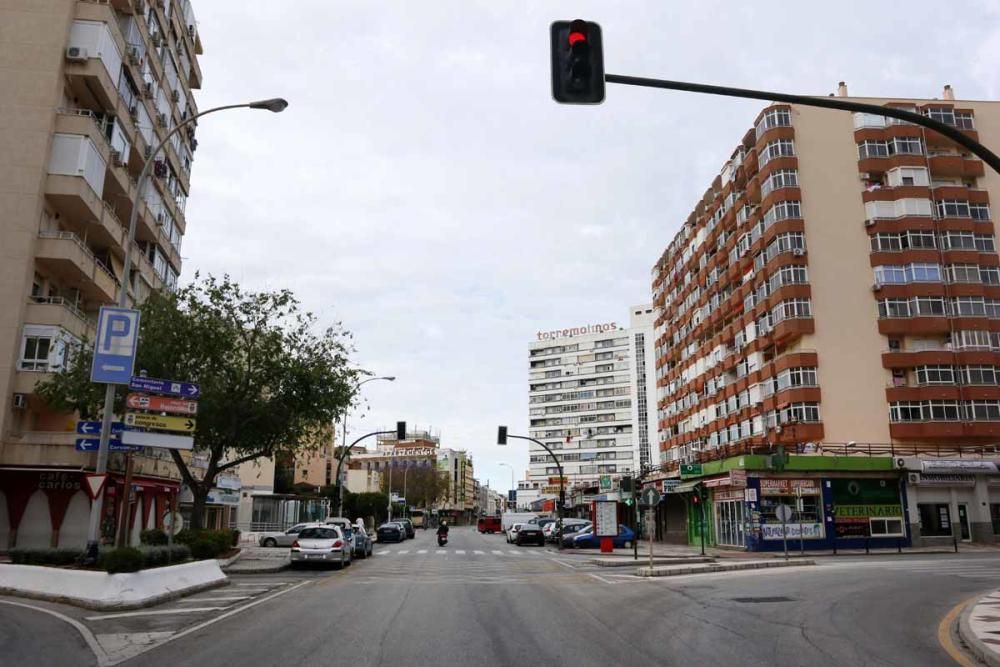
323 543
284 539
512 533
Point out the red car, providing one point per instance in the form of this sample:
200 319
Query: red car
489 524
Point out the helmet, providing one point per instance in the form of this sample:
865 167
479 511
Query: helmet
444 522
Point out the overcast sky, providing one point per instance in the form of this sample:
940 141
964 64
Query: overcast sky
424 189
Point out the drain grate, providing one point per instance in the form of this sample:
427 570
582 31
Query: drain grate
756 600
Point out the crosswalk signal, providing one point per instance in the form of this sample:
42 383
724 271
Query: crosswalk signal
577 62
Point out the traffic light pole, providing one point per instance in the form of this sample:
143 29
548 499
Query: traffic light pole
562 480
340 462
952 133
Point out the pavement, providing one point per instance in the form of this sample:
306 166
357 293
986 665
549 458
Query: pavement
979 627
481 601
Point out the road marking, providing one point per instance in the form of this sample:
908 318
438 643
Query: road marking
159 612
479 553
944 633
95 647
263 584
563 563
404 551
422 551
460 552
440 552
229 597
599 578
497 552
514 553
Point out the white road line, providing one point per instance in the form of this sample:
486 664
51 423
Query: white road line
497 552
460 552
216 599
440 552
422 551
479 553
514 553
263 584
159 612
382 553
599 578
404 551
102 657
563 563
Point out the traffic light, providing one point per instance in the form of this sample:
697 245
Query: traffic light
400 431
577 62
625 485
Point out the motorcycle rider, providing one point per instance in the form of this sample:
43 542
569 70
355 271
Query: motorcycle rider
442 531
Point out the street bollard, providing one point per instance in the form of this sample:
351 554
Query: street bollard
954 542
867 545
899 545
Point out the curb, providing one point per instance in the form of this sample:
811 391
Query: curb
270 569
717 567
226 562
97 606
976 646
656 561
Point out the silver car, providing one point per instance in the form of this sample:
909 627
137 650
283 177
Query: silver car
284 539
322 544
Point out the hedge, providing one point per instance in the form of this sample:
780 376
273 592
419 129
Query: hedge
208 543
45 556
153 537
110 560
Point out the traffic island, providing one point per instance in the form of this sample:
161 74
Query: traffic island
621 562
979 628
707 568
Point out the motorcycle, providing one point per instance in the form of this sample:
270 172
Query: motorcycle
442 539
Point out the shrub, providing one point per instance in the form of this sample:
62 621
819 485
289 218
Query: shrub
126 559
204 548
45 556
159 556
153 537
236 538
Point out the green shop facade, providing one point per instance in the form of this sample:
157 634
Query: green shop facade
833 502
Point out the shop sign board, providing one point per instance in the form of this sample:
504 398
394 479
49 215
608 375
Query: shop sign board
605 518
807 531
788 487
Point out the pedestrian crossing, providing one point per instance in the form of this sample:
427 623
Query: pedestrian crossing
965 568
511 553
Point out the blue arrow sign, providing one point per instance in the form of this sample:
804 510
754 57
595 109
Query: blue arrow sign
169 387
94 428
93 444
114 349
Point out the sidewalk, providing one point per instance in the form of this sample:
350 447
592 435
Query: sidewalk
979 628
259 560
666 551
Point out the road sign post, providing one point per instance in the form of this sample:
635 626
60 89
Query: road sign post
187 390
784 512
799 506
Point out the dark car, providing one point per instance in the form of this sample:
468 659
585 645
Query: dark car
407 527
585 539
390 532
567 538
530 533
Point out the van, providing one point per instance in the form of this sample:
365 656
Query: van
489 524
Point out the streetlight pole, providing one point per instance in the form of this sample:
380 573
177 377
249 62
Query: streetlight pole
513 488
274 105
344 448
502 436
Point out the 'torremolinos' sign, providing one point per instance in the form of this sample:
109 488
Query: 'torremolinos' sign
578 331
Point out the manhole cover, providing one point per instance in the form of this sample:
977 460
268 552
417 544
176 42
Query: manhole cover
763 599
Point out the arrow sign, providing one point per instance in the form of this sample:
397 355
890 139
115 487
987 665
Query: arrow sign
93 444
159 423
161 404
94 428
155 439
94 485
171 387
650 496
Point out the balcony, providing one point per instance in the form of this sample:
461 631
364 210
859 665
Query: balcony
69 258
94 61
943 429
57 311
114 152
954 165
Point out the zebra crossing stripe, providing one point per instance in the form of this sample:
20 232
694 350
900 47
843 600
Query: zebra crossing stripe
497 552
479 553
404 551
440 552
460 552
422 551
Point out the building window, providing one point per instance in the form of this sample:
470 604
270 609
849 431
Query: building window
944 115
979 211
952 208
35 353
886 527
873 149
782 178
935 375
935 519
775 149
773 118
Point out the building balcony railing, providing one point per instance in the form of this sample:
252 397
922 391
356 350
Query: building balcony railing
58 311
67 256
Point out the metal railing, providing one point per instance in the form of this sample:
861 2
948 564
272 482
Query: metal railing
70 236
64 303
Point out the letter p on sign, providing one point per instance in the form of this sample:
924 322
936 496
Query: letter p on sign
117 339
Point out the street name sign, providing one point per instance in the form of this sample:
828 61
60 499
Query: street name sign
161 404
154 439
690 469
159 422
114 349
94 444
169 387
94 428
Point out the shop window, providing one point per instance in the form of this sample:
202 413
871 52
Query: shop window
935 519
891 527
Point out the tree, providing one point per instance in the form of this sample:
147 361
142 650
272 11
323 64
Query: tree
269 382
425 485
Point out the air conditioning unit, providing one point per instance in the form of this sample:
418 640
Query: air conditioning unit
147 90
864 176
876 287
77 54
20 401
899 462
161 119
148 152
133 56
160 169
117 159
869 223
176 95
799 252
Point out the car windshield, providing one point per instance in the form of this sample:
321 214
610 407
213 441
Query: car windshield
318 534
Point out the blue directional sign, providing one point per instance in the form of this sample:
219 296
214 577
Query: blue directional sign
168 387
94 428
114 350
93 444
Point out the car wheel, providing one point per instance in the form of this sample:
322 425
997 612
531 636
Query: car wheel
270 542
628 545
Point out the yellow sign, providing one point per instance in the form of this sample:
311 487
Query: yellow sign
159 423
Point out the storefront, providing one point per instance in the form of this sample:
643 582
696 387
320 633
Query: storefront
221 505
867 512
952 500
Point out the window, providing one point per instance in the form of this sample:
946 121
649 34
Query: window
979 211
871 149
906 146
985 243
970 306
782 211
775 149
782 178
964 120
984 410
801 412
978 375
952 208
927 306
958 241
35 353
935 519
791 309
962 273
941 114
886 243
886 527
923 273
915 239
989 275
796 377
773 118
935 375
888 308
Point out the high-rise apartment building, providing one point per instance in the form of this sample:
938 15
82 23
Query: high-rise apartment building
89 87
837 284
591 392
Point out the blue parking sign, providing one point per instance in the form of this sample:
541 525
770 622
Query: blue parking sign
114 351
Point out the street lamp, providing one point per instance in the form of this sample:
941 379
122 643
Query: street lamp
511 475
274 105
344 448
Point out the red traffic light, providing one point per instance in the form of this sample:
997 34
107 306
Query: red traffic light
575 37
695 499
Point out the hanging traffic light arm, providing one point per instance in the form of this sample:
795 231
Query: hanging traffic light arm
562 479
952 133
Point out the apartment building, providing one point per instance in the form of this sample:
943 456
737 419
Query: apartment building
591 392
836 291
90 86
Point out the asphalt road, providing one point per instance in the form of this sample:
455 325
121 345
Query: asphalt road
482 602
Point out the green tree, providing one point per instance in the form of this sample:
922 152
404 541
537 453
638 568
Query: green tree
269 381
424 485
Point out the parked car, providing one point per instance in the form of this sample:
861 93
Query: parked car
512 532
390 532
362 542
586 540
569 526
407 527
529 533
322 543
544 521
284 539
568 537
489 524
